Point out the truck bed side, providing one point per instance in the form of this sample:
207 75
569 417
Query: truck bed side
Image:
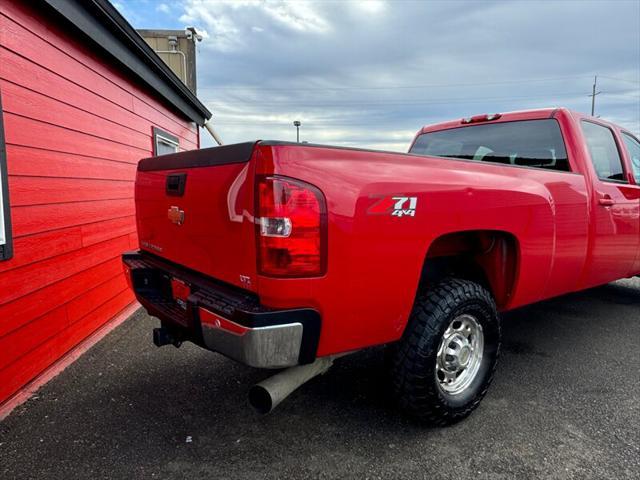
376 259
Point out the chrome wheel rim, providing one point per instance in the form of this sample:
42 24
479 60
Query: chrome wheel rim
459 354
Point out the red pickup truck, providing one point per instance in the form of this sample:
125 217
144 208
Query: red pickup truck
281 254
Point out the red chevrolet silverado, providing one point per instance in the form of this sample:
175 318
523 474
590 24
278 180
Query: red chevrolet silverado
280 254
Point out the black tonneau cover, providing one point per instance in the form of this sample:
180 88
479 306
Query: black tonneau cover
204 157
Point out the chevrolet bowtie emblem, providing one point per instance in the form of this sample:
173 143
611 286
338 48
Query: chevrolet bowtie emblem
176 215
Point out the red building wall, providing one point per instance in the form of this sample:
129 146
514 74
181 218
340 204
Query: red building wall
75 127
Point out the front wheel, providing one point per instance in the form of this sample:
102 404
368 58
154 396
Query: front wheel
444 364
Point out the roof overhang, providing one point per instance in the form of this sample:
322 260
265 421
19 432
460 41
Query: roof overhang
109 30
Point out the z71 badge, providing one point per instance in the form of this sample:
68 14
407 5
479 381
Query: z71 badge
396 206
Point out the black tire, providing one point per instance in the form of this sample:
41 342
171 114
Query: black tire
414 358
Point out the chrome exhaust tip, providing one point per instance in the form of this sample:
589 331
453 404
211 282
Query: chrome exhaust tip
260 399
265 396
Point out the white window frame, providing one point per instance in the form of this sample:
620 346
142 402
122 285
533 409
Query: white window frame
6 244
160 136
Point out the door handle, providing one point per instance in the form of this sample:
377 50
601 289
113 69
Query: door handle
605 200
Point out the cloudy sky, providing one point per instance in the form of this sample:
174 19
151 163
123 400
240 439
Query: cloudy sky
369 73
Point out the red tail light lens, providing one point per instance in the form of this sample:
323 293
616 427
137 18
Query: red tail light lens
291 228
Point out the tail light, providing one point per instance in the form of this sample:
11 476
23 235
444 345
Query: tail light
291 228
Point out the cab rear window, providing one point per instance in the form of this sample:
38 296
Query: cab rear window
529 143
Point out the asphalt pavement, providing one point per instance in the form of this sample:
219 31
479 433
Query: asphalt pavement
565 403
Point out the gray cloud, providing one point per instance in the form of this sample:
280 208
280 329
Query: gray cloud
371 73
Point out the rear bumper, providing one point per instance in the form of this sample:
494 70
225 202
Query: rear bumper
223 318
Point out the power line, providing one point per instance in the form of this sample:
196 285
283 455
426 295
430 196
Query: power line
635 82
393 87
336 103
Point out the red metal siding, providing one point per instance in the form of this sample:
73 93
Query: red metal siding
75 128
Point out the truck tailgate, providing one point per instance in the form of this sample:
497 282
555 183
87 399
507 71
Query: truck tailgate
194 209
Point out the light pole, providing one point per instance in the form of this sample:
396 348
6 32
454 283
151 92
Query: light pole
296 123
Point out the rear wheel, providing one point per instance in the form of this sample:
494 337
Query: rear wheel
444 364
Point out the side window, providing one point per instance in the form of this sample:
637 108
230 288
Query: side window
6 250
604 152
164 143
633 147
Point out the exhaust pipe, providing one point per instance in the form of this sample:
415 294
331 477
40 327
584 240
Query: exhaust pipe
266 395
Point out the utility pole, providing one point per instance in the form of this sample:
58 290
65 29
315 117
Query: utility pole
297 124
593 96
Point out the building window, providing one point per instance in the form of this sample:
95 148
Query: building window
6 250
164 143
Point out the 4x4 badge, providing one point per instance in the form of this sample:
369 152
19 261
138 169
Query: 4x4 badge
176 215
394 205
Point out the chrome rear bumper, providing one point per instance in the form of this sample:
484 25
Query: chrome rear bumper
274 346
222 318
